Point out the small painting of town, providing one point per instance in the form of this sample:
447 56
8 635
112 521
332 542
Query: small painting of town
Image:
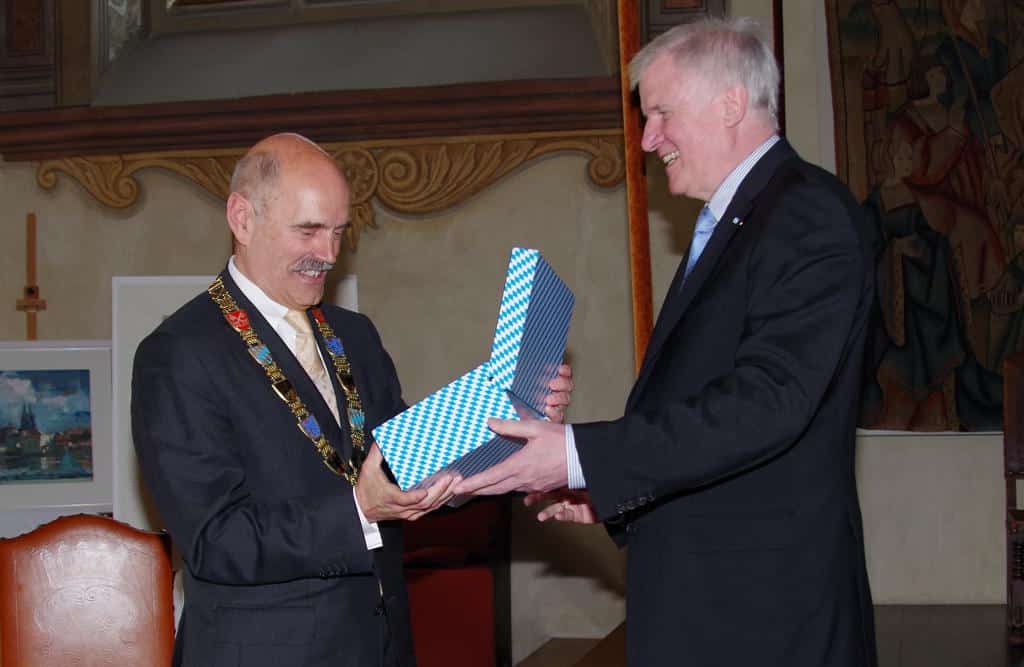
45 426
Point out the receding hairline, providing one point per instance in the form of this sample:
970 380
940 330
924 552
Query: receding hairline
258 173
255 176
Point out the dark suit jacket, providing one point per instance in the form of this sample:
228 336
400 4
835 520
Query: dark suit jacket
278 572
731 474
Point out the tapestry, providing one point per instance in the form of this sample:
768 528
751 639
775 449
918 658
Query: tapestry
929 118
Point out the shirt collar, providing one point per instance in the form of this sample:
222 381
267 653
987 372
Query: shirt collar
722 197
272 311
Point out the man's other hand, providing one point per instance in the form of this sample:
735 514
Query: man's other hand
381 500
539 466
560 394
563 505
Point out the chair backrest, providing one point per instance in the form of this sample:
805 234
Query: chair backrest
86 590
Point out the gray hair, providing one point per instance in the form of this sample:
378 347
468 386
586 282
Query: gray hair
723 52
255 178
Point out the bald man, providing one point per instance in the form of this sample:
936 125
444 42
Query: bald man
252 408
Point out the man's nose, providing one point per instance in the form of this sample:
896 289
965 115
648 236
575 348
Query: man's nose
651 137
327 248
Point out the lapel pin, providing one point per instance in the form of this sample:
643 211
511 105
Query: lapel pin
737 222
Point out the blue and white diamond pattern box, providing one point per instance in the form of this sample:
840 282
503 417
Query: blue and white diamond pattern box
448 429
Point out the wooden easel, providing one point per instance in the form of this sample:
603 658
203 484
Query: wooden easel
30 303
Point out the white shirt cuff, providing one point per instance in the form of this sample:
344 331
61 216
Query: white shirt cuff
371 532
572 459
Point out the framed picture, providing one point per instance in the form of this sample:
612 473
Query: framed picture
55 427
140 304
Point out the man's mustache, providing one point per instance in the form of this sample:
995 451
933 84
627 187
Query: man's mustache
312 264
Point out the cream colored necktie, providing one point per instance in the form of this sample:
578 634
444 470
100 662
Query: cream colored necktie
306 353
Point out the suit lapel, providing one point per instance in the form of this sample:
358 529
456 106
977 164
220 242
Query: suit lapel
679 299
293 370
681 293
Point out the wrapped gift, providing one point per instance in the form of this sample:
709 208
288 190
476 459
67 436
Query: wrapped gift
448 429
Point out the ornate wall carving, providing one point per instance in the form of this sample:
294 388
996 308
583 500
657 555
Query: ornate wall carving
414 177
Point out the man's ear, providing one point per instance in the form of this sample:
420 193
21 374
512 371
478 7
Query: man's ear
241 217
734 105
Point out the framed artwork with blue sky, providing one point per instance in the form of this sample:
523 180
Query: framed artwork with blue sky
55 426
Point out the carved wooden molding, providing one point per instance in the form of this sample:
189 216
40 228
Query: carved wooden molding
478 109
414 177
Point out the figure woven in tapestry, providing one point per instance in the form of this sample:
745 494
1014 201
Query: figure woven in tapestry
929 118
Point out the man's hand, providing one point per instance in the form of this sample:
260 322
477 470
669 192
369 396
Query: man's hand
560 396
539 466
381 500
564 505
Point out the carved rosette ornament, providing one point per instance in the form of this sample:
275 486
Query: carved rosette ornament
363 175
414 177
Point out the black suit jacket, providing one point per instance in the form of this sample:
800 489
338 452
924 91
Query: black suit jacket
731 474
278 572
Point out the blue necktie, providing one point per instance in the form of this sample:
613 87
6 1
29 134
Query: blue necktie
701 233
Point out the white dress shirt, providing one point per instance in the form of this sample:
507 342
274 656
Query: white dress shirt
274 313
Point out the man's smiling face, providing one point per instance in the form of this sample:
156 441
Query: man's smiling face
295 238
682 126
